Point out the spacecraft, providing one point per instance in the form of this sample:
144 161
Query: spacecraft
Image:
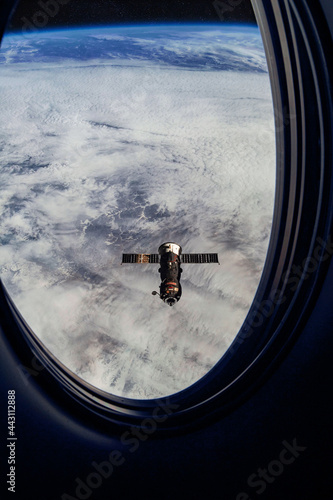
170 258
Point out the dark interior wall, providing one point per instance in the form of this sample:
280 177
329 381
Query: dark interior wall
63 13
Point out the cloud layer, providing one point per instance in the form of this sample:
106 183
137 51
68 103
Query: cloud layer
105 155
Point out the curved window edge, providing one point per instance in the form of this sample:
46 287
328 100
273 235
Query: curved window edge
297 259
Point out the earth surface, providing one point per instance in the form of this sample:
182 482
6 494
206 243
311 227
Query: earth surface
115 140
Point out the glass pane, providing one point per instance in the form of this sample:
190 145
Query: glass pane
115 140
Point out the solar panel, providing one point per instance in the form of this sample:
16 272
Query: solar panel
185 258
140 258
199 258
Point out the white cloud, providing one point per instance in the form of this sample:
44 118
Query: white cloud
103 160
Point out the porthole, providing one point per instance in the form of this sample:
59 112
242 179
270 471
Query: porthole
295 257
118 139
